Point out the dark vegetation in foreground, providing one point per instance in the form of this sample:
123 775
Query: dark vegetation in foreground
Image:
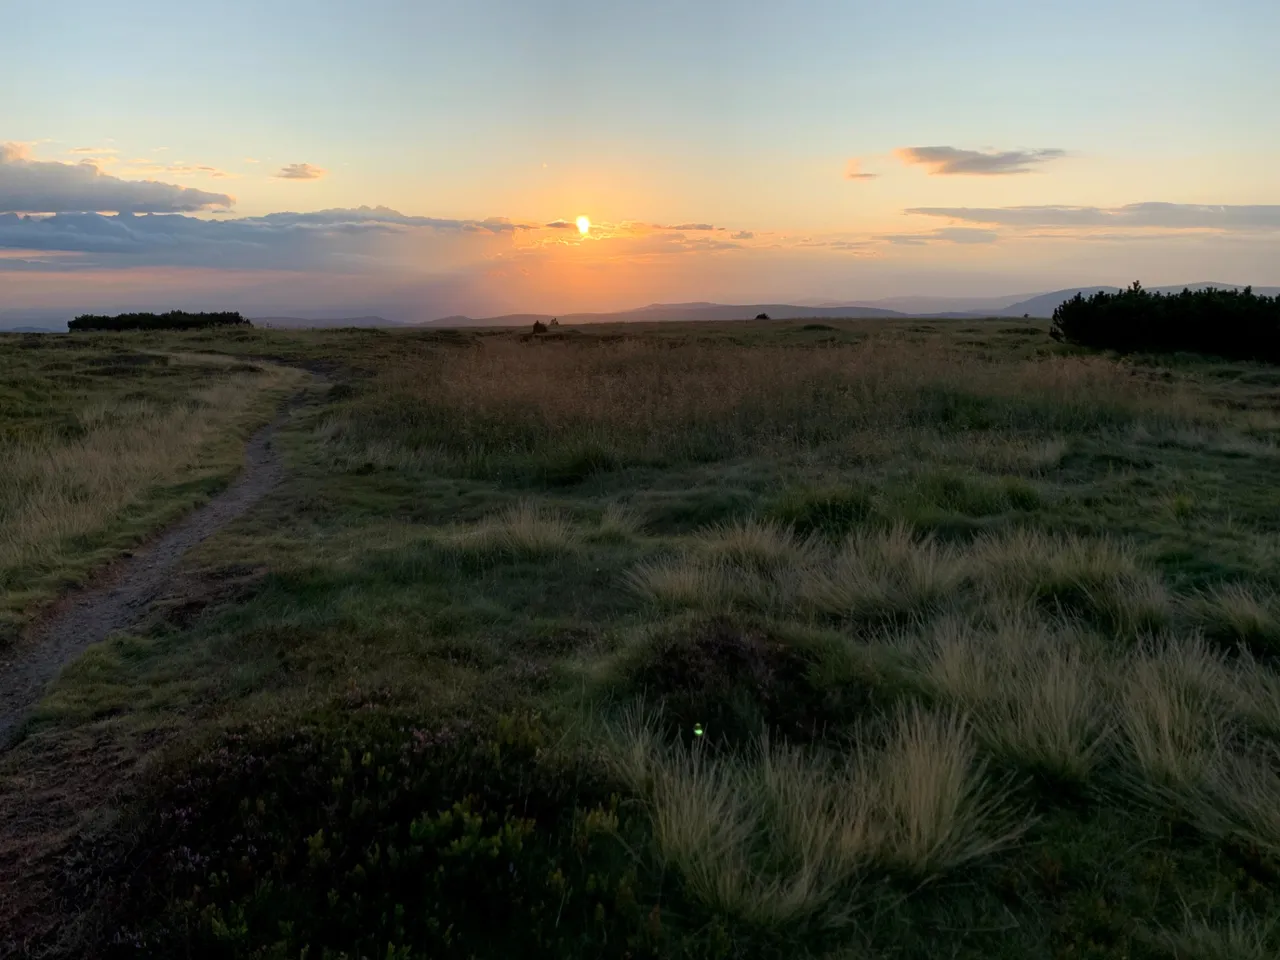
778 640
173 320
1236 324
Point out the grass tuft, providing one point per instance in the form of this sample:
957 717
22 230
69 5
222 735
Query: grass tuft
1237 615
524 530
1098 578
883 575
1036 697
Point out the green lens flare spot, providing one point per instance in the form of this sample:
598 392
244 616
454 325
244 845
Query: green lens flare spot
697 729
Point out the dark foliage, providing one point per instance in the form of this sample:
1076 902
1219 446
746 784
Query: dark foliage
173 320
391 842
1237 324
762 316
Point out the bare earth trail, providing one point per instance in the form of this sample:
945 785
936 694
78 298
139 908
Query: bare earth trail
90 615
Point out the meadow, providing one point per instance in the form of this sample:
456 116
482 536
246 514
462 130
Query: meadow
834 640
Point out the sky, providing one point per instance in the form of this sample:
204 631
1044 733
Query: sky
417 159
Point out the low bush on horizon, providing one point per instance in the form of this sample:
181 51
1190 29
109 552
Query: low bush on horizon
173 320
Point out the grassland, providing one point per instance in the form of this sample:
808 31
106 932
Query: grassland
739 640
101 444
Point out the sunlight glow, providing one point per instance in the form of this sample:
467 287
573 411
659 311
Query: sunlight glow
583 225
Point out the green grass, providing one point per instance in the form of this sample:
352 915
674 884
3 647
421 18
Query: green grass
102 443
723 640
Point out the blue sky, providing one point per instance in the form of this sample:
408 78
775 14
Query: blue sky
643 116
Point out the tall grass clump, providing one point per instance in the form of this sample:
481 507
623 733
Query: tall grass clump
762 545
525 530
775 835
883 574
1172 725
1237 615
1037 699
1099 578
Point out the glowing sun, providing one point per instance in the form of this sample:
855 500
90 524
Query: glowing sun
583 225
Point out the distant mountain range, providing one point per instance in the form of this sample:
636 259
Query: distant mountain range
1039 305
1033 305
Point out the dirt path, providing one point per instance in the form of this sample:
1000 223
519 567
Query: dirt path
90 615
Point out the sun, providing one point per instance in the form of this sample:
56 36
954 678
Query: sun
583 225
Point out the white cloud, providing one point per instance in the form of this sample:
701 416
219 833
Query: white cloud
35 186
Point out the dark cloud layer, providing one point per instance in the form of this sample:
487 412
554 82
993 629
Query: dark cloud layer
1167 215
278 240
953 161
40 186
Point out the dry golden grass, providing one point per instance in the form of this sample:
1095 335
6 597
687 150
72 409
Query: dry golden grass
60 491
883 574
663 399
1037 698
757 544
779 835
619 523
1237 614
688 582
1101 578
1172 725
525 529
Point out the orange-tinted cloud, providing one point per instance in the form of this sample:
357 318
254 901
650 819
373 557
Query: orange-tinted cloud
301 171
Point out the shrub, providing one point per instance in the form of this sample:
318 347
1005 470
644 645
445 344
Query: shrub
173 320
385 840
1237 324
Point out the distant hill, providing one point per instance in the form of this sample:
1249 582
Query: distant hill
1044 304
676 311
305 323
31 330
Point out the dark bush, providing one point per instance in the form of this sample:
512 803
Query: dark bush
389 841
173 320
1236 324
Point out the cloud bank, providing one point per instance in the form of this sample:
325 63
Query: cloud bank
45 186
953 161
1174 216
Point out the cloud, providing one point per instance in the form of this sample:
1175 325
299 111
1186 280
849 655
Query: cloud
93 150
561 225
300 171
743 235
686 226
952 161
33 186
944 234
853 171
362 238
1173 216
